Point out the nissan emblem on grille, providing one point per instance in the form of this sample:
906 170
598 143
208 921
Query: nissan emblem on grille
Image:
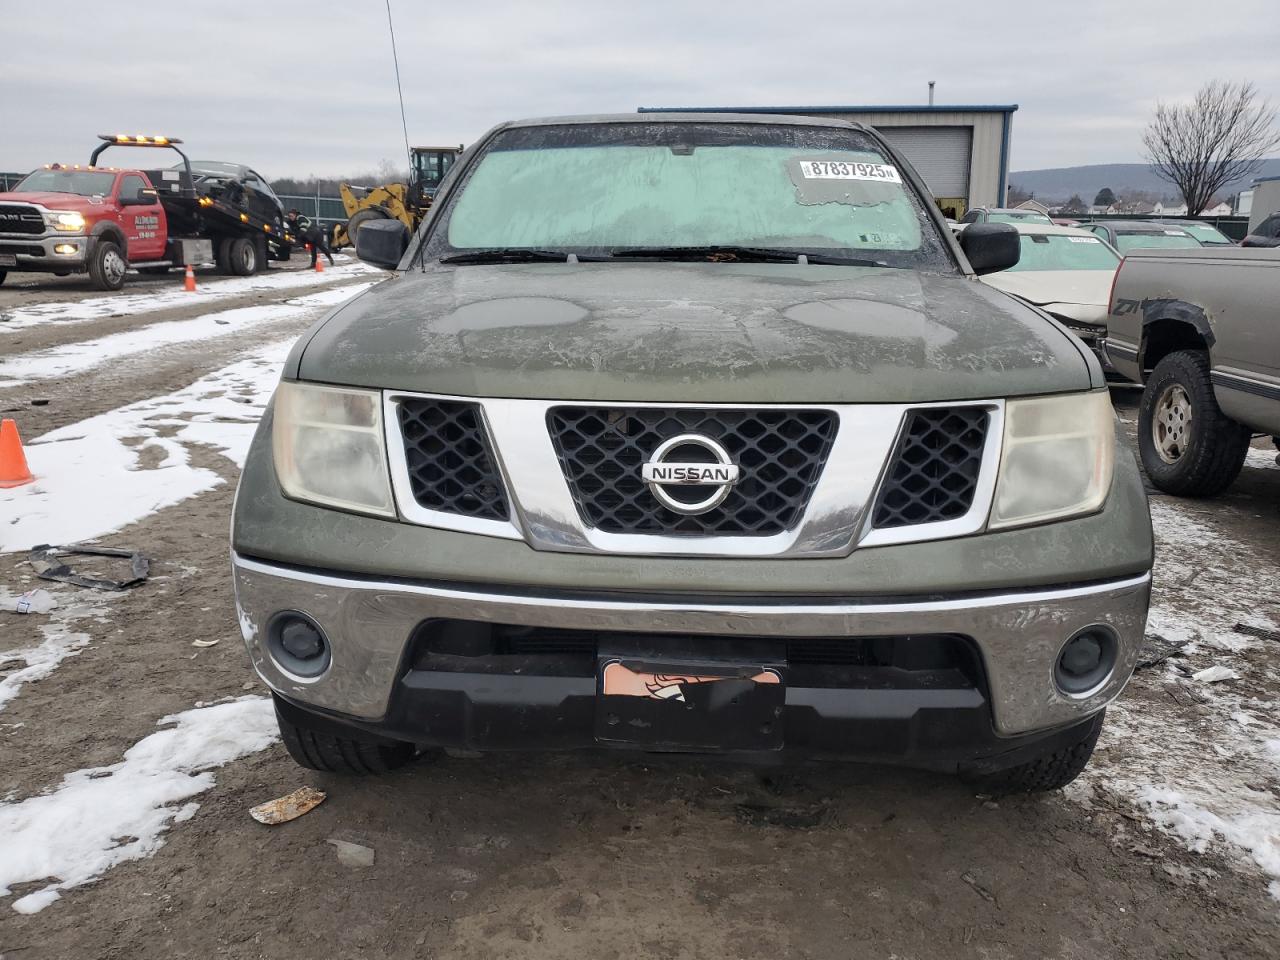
660 473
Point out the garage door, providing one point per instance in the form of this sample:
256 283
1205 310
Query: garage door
939 154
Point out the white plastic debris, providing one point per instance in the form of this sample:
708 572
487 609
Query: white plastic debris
1215 674
35 601
353 854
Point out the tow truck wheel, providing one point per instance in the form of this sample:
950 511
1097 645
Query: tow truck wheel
243 257
107 266
222 254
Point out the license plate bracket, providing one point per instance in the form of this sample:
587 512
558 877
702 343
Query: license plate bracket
703 707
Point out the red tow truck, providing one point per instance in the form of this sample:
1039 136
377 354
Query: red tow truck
98 220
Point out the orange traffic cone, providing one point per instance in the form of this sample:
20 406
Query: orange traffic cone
319 265
13 462
189 284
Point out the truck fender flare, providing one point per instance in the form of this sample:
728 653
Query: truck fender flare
106 230
1178 311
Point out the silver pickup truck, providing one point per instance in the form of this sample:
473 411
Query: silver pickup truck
1198 328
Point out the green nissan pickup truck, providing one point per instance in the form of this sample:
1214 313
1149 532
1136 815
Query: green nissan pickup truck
692 433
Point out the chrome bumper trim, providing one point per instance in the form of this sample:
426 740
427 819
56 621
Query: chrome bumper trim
369 623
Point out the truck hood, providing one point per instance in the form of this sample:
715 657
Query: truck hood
56 201
691 332
1086 287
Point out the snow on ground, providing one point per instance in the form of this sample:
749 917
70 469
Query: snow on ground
103 816
207 291
103 473
38 662
25 665
1205 769
76 357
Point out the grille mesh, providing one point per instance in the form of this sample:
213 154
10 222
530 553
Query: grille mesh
451 468
934 471
15 218
780 452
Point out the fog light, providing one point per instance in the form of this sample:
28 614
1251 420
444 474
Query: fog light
65 248
1086 661
298 645
302 640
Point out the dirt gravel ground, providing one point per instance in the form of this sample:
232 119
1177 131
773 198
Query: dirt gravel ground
605 856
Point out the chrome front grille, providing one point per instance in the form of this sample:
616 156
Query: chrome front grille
19 218
780 454
807 481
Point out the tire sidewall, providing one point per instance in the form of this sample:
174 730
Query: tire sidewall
104 251
1192 473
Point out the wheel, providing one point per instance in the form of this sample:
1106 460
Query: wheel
242 257
283 252
1189 447
107 266
222 254
361 217
316 747
1052 770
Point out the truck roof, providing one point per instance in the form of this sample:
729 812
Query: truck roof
763 119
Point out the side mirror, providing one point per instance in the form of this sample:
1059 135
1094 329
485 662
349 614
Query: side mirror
382 242
990 247
143 198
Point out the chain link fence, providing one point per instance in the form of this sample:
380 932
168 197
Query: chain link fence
324 210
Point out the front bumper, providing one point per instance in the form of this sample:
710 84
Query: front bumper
39 254
371 622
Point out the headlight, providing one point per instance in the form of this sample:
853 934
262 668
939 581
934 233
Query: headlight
329 448
69 222
1057 458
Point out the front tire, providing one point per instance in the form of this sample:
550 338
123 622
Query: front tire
1049 771
107 266
316 746
1189 447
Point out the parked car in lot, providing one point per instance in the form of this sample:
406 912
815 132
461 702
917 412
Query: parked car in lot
1004 215
1067 273
692 433
1206 233
1266 234
1126 235
1198 328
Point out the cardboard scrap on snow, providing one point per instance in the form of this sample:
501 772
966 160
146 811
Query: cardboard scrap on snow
1215 674
353 854
289 807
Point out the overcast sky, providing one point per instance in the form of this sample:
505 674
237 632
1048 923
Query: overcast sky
295 88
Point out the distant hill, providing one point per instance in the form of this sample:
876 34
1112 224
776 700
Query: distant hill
1061 182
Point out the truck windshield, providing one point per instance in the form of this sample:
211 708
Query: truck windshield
1170 239
604 189
1065 252
81 182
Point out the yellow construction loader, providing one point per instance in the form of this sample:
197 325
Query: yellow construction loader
406 202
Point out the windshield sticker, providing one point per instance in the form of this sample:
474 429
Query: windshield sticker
1174 233
845 170
1084 239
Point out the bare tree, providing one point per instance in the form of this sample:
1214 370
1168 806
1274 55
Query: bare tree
1220 137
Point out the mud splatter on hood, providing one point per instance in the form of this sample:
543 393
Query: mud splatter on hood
691 332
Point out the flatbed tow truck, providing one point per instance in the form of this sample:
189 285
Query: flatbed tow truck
67 219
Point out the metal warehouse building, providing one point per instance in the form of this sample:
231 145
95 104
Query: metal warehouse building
962 152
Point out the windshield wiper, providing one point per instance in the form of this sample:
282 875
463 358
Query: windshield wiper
730 252
514 255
